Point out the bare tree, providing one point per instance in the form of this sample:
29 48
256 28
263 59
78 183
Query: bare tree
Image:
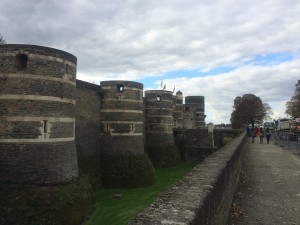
2 41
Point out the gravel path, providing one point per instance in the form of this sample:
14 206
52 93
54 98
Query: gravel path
269 193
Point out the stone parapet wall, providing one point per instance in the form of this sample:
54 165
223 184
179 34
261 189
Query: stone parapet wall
220 134
204 195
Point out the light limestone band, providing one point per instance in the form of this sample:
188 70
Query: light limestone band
126 134
37 56
32 140
120 100
158 116
160 132
35 119
123 122
37 98
64 79
121 111
125 88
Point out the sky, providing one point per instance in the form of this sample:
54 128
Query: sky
216 49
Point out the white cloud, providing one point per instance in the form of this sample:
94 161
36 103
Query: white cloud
130 39
273 84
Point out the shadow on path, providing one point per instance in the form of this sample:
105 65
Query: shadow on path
269 191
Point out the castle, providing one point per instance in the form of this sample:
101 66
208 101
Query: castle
49 120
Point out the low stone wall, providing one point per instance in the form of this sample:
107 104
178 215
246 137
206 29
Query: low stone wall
198 145
219 134
204 195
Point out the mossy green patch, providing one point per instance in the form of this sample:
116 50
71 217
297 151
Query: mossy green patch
164 156
126 171
89 167
118 211
68 204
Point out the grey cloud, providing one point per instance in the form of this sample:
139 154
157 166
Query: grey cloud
133 38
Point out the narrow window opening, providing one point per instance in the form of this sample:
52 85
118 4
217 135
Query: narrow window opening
67 68
21 61
158 98
120 87
187 109
151 127
45 126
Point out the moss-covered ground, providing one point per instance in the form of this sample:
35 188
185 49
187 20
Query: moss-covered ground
118 206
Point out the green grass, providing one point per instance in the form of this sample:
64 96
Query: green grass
112 211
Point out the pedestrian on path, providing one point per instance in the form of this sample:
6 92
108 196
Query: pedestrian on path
268 135
257 131
248 129
261 135
253 134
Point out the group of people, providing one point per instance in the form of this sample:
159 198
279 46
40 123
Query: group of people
254 132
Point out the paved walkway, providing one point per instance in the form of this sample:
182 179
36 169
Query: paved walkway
270 190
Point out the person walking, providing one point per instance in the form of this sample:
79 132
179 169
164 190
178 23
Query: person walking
257 131
253 134
261 135
268 135
248 130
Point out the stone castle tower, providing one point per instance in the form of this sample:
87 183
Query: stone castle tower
122 135
37 128
159 128
194 112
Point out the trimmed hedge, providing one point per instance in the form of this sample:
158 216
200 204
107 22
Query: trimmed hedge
164 156
38 205
127 171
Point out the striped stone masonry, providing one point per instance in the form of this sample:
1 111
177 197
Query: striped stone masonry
37 100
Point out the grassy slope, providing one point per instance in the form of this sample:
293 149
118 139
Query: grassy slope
112 211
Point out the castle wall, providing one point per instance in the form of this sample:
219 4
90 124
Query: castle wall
37 130
87 115
198 144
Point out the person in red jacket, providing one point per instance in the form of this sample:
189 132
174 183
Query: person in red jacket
256 131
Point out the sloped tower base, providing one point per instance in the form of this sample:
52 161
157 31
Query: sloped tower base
123 159
126 171
164 156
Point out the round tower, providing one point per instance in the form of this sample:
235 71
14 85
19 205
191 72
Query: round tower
37 92
195 104
159 128
179 97
178 111
123 159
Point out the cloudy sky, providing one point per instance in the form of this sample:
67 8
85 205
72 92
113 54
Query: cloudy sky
217 49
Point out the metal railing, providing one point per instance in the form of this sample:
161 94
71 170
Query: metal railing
287 140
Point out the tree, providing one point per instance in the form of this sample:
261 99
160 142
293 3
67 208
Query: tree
248 109
293 106
2 41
